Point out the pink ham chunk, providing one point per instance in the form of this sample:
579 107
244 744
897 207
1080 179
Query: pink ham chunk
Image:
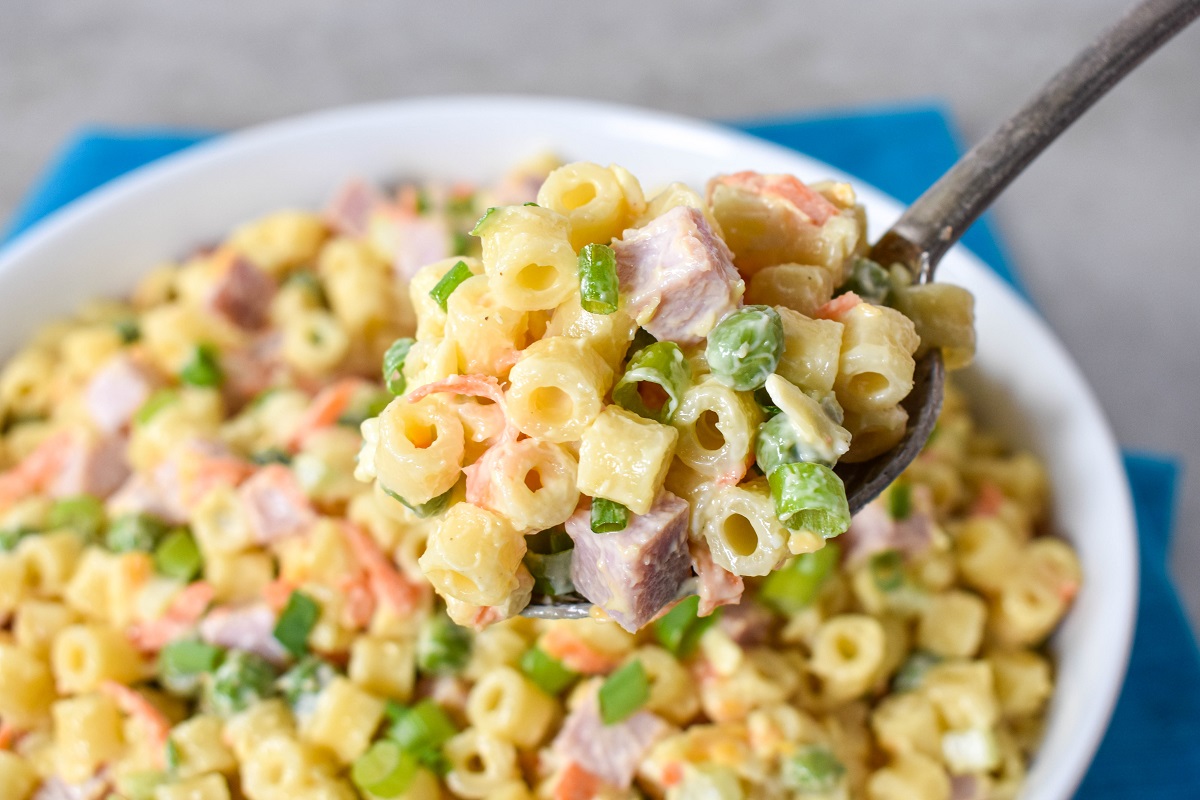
276 506
610 752
349 212
677 277
413 240
242 294
91 466
250 628
874 531
117 391
747 623
717 585
252 369
633 574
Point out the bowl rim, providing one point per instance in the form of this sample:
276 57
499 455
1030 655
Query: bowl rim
661 128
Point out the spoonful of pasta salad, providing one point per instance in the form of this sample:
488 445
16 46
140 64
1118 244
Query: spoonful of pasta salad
625 401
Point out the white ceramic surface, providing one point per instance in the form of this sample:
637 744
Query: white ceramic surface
1024 382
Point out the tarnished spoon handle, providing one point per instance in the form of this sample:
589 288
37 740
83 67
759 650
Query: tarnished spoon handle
940 216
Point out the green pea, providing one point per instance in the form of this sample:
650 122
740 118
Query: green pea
745 347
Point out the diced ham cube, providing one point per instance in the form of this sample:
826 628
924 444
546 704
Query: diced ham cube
242 293
967 787
677 276
747 623
276 506
349 212
253 369
117 391
91 466
872 530
610 752
250 628
147 494
633 574
412 240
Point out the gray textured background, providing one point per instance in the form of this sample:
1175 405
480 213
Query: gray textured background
1104 227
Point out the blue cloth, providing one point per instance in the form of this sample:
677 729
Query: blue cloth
1150 749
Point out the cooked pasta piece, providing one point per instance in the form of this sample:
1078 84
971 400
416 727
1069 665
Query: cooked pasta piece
624 458
876 367
557 389
529 262
716 430
598 202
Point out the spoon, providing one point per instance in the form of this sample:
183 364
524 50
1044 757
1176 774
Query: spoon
940 216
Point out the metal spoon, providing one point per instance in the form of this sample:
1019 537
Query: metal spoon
940 216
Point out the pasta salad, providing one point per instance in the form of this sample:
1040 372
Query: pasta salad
199 601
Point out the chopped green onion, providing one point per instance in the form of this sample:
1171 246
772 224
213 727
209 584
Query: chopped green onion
608 517
172 757
654 382
310 282
598 285
82 513
763 398
481 225
189 657
810 497
551 572
911 673
443 648
296 621
887 570
461 204
11 537
550 541
745 347
460 244
384 770
450 281
365 408
642 339
680 629
423 204
796 584
272 455
868 280
900 500
423 727
242 680
393 365
134 532
304 681
624 692
550 674
202 369
812 769
531 203
154 404
423 510
128 330
177 555
778 443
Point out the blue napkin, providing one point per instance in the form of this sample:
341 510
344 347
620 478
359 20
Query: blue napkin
1150 749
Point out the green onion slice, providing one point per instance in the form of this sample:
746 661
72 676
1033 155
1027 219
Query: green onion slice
128 330
443 648
384 770
202 369
450 281
177 555
654 382
623 693
796 584
481 225
551 572
812 769
598 285
393 365
680 629
745 347
810 497
887 570
911 673
608 517
272 455
421 727
296 621
82 513
550 674
154 404
423 510
900 500
868 280
188 657
134 532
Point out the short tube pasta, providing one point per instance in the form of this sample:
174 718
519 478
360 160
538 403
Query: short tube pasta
557 389
480 763
598 202
742 530
527 257
716 430
534 486
876 367
473 555
506 705
418 449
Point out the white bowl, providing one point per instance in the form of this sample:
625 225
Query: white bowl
1025 383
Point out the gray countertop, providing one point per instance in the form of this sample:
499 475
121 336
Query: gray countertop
1103 227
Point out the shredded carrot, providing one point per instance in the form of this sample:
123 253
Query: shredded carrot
208 472
672 774
472 386
186 608
8 735
277 592
836 308
989 500
561 643
786 187
576 783
386 582
718 586
135 704
37 469
325 409
360 601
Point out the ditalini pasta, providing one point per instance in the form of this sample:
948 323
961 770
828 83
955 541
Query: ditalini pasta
635 398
